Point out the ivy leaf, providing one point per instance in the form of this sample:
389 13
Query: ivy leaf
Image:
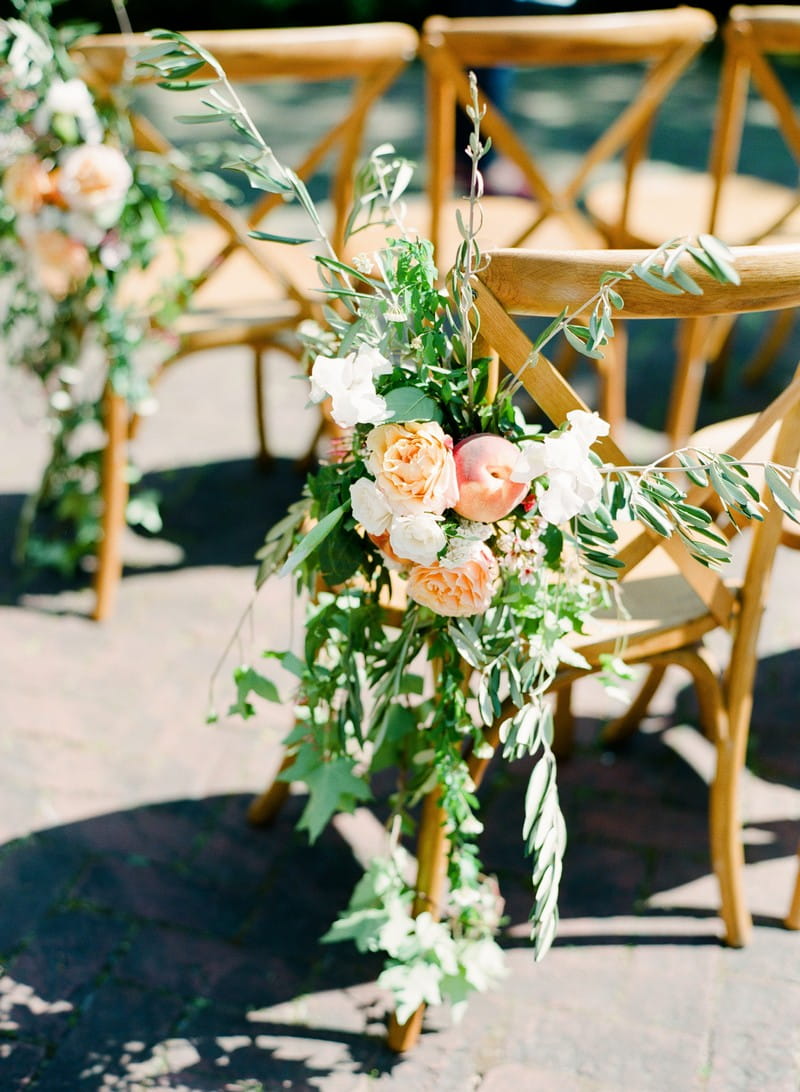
332 787
248 681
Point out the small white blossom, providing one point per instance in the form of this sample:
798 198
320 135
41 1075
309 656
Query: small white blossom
350 383
70 98
574 483
363 263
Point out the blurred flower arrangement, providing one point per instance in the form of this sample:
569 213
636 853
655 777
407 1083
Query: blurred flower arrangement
493 536
79 211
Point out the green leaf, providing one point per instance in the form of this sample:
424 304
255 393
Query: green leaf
721 258
784 497
695 474
289 240
412 404
311 541
656 281
577 343
333 787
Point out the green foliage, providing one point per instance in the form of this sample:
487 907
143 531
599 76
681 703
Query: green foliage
480 649
62 261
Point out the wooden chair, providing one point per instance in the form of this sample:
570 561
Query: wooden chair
653 49
729 198
673 601
242 291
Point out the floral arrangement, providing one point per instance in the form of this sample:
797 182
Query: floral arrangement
448 550
79 212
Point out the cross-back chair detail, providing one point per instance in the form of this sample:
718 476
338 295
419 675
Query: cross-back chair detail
661 43
698 600
664 42
242 291
727 198
674 601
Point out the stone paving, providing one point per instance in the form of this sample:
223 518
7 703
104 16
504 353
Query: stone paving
149 938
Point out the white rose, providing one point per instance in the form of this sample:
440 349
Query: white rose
94 179
370 507
417 538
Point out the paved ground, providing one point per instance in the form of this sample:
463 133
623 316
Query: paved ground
150 939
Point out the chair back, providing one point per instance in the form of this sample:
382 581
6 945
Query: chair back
756 39
359 62
661 44
543 283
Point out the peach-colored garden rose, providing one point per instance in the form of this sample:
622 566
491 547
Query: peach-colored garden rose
94 179
413 465
27 185
456 588
63 262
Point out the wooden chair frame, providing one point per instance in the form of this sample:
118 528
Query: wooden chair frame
518 282
713 200
664 42
369 57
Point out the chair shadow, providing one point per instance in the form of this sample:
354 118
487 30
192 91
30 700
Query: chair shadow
213 514
174 934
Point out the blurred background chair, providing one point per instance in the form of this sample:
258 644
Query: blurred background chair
652 48
240 291
672 601
758 92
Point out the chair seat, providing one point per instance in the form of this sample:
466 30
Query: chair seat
239 301
668 201
658 612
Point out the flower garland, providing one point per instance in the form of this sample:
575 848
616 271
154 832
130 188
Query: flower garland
501 534
80 211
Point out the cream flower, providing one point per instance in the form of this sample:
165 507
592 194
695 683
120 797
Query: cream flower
27 185
94 179
459 586
417 538
370 507
414 467
62 263
350 384
574 483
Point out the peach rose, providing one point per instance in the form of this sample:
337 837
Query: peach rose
27 185
413 465
63 262
461 585
94 179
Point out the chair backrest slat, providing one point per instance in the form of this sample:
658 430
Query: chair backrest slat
662 43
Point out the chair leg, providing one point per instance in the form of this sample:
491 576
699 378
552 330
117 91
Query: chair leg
620 729
727 850
114 496
793 917
265 807
432 846
264 456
